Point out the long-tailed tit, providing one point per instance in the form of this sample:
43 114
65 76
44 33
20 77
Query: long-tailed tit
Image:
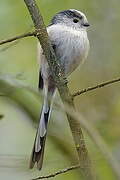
68 36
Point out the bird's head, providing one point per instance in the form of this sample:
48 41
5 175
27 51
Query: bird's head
71 18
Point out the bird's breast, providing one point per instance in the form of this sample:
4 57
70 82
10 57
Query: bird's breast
72 50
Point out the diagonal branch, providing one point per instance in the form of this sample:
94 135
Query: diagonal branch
96 87
97 139
58 172
61 83
18 37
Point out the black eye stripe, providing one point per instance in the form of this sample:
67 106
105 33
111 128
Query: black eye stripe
67 13
71 14
76 16
81 17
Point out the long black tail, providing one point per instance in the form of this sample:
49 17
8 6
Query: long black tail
37 157
39 143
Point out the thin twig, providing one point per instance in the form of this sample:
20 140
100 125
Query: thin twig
96 87
18 37
14 41
58 172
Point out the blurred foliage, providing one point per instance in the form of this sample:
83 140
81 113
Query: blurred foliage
20 106
1 116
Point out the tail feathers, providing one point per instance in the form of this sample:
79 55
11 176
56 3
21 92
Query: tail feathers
39 144
37 157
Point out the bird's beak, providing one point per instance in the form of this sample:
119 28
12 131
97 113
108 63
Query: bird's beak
86 24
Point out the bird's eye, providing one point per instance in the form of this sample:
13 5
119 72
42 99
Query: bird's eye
75 20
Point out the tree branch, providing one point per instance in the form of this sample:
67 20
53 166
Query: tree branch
97 139
58 173
95 87
18 37
61 83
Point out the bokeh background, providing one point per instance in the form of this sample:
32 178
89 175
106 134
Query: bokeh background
20 107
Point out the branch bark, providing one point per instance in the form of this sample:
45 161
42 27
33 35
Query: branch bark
61 83
18 37
57 173
101 85
97 139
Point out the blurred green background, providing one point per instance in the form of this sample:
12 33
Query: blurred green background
20 107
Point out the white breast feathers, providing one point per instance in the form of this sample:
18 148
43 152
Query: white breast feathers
72 45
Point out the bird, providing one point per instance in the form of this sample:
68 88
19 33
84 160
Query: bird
67 32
